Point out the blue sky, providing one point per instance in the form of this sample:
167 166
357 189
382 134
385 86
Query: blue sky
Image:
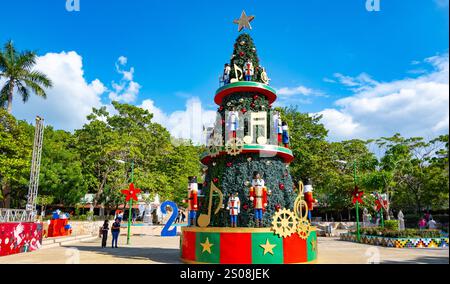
322 54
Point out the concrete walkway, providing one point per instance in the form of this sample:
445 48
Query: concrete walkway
155 249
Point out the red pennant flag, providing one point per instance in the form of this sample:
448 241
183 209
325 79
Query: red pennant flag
131 192
380 202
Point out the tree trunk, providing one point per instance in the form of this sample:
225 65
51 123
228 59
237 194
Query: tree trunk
6 193
10 96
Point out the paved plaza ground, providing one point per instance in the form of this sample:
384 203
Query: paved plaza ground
155 249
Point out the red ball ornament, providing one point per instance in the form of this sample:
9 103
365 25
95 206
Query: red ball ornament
282 186
252 105
277 207
215 180
244 110
220 108
241 54
255 97
229 164
245 206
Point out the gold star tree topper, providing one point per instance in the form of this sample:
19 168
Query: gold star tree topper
244 21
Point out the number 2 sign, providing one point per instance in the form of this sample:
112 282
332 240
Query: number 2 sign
165 231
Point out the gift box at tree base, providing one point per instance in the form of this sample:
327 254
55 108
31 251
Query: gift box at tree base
59 225
248 210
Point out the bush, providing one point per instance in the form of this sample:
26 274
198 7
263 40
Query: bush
391 225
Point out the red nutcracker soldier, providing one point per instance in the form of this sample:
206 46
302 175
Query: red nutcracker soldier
234 205
192 200
249 71
308 195
258 194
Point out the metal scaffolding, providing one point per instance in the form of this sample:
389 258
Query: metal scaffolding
35 168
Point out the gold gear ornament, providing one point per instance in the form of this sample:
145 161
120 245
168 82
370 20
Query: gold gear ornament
284 223
303 229
234 146
214 146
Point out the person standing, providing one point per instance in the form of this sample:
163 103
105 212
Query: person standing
183 216
105 229
115 230
432 224
422 224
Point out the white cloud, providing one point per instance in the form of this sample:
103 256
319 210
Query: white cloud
122 60
359 83
441 3
412 106
296 95
126 90
186 124
70 100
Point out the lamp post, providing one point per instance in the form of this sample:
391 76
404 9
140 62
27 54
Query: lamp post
130 205
130 202
355 181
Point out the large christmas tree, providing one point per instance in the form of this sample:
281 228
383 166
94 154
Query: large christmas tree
232 161
247 181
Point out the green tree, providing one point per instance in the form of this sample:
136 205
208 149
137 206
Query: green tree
61 173
17 68
15 156
44 201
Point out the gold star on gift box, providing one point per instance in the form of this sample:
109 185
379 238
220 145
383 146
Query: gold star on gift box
314 245
244 21
268 247
206 246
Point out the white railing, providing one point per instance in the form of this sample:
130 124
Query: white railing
16 215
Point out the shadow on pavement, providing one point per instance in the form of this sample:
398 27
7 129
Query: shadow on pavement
162 255
421 259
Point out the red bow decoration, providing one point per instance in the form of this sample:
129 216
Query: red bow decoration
357 194
131 192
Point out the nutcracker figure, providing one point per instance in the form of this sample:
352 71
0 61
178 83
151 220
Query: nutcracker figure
258 194
192 200
226 74
233 121
277 124
234 205
249 71
308 195
285 136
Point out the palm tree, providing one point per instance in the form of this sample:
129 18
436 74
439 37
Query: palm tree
16 68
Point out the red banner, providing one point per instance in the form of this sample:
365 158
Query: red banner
19 237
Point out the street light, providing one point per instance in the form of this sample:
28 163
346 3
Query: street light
130 203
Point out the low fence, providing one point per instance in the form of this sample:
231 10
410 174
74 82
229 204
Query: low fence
16 215
397 242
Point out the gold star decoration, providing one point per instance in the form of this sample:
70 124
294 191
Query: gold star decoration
244 21
206 246
314 245
268 247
